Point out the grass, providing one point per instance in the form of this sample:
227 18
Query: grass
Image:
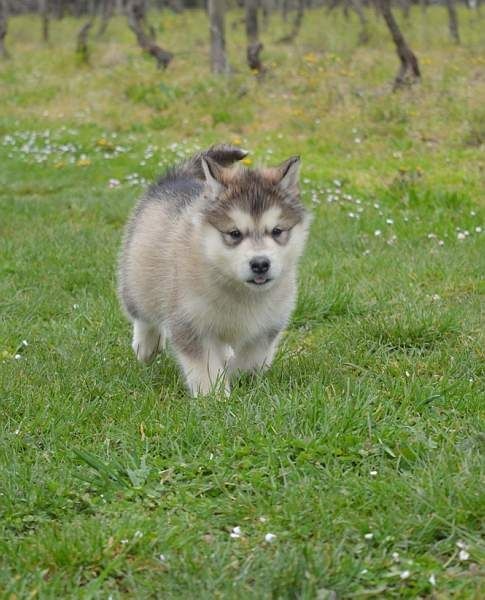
361 449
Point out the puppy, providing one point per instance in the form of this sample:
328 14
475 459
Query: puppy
209 264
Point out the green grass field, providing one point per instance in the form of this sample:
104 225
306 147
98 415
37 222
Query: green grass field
360 451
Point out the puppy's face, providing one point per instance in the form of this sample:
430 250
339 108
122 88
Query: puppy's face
254 226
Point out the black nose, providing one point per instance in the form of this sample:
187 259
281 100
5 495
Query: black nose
259 264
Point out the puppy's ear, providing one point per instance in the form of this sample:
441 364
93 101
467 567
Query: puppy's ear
288 175
214 174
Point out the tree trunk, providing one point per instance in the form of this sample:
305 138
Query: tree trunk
3 29
265 10
135 10
217 11
77 9
177 6
409 70
82 37
364 30
254 46
44 13
406 8
58 9
107 11
284 10
345 9
300 11
453 20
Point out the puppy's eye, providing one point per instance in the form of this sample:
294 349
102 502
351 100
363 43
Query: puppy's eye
276 232
235 234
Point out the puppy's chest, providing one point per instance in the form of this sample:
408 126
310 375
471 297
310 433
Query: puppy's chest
233 322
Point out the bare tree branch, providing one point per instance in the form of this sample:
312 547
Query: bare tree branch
300 11
136 15
409 69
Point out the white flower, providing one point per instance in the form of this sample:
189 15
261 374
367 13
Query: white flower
113 183
373 473
461 235
269 537
395 557
478 229
368 536
432 579
235 533
138 534
18 356
405 574
390 221
377 232
463 555
162 558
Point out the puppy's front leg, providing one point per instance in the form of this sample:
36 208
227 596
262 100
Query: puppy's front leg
148 339
203 362
256 355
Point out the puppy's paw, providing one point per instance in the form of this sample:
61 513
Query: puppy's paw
203 387
148 341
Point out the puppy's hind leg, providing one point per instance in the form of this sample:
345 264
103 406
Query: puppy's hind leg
148 340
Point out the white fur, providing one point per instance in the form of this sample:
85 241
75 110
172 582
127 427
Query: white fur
269 219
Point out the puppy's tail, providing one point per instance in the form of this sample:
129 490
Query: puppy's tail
224 155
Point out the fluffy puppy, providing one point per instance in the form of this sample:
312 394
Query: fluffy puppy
209 264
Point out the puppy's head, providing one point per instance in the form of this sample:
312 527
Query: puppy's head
254 225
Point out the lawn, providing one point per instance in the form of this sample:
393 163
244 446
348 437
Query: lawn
353 469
